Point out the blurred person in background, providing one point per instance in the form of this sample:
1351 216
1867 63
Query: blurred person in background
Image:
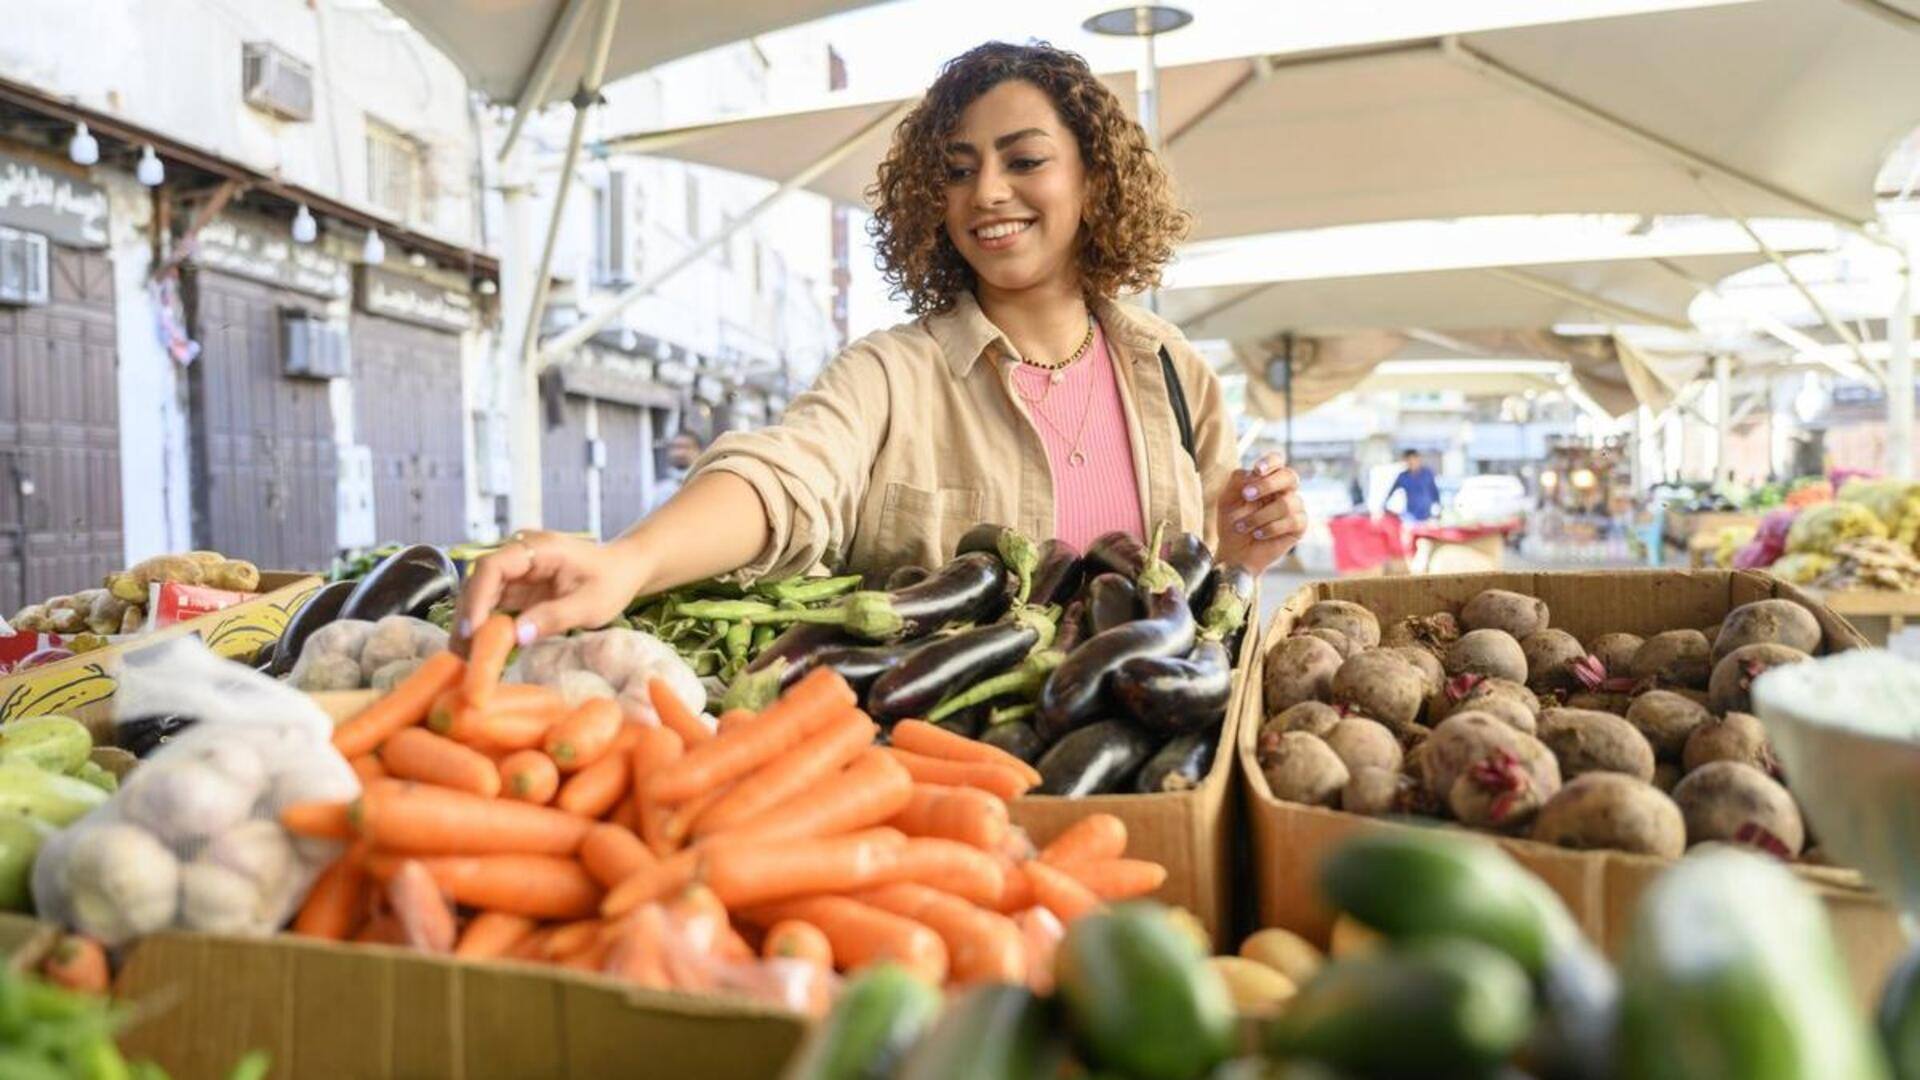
682 451
1417 483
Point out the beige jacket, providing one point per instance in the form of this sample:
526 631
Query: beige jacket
915 434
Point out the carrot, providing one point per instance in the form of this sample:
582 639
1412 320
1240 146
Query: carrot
426 922
814 701
533 946
982 946
650 883
791 774
861 934
968 815
419 754
993 779
502 730
1058 893
637 952
731 947
744 874
487 654
594 790
336 906
1116 879
1040 932
652 748
590 957
381 929
872 789
951 867
493 934
612 854
77 962
530 776
795 939
674 714
676 824
572 937
921 737
405 705
1017 893
446 705
368 768
537 886
1096 836
318 820
728 720
584 734
698 923
426 820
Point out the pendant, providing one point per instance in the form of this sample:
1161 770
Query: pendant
1057 376
1076 459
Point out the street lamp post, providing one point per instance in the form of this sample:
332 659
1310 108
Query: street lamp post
1147 22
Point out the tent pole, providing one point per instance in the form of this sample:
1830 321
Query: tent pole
1900 375
533 89
1771 325
1723 414
578 333
1623 312
1894 16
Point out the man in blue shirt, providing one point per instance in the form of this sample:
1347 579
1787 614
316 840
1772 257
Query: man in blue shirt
1423 492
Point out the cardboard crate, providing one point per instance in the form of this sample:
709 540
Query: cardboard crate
237 632
1600 887
326 1010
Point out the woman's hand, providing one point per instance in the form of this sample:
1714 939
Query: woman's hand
555 583
1260 514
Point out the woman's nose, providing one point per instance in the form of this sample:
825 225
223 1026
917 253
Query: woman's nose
991 189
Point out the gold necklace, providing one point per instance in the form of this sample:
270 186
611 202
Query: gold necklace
1075 456
1056 372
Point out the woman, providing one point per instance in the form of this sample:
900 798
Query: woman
1016 201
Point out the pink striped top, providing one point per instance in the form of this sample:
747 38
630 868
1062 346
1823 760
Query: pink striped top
1095 490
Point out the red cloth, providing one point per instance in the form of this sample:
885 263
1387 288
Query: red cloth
1362 543
1460 534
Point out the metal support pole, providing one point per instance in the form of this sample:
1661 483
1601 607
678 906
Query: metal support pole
533 90
1623 312
1722 414
1900 375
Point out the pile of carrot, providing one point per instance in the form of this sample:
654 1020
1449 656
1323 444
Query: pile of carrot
498 821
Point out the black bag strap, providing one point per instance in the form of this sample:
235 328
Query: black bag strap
1177 395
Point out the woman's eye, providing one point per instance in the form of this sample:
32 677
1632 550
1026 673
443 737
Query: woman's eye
957 173
1028 164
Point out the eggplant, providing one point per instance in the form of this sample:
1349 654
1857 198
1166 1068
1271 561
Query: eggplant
1073 628
406 582
1229 606
320 609
1059 575
917 683
142 735
966 589
1075 694
902 577
859 664
1016 737
1190 558
1119 551
796 646
1094 760
1181 764
1171 696
968 722
1016 551
1111 601
1020 684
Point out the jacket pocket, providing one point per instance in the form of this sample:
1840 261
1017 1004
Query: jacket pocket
919 526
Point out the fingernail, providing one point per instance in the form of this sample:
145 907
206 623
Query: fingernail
524 632
466 628
1265 466
1259 534
1249 493
1239 526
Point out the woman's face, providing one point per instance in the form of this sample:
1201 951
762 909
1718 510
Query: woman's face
1016 188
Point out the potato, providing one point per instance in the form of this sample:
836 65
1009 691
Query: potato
1359 624
391 640
1768 622
206 558
1675 658
1731 687
1502 697
344 638
1512 613
1737 736
1471 737
1341 643
1301 768
1299 669
1495 793
1493 653
1666 775
328 671
1312 717
1550 656
1612 810
33 618
167 568
1382 686
1429 633
1600 701
66 620
234 575
388 675
1423 661
1616 651
1351 937
1256 989
1585 741
1285 952
1373 791
1362 742
1666 719
106 613
133 619
1737 803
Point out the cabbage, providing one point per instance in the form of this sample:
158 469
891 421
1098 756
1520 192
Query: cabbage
1895 502
1819 528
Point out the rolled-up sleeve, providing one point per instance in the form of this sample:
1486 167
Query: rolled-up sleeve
811 470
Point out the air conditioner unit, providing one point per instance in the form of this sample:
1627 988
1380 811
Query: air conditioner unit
23 268
272 81
313 346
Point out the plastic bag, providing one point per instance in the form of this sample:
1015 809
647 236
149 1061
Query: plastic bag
613 663
193 839
352 654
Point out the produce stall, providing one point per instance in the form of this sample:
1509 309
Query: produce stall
1460 548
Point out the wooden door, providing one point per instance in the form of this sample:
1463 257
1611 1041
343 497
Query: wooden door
563 469
407 409
627 431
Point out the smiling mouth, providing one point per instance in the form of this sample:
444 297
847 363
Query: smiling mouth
1000 230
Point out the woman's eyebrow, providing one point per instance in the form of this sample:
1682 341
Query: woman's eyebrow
1009 139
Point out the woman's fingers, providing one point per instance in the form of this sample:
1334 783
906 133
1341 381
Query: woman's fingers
1285 516
482 592
1255 485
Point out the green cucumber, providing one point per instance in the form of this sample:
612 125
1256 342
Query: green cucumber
1731 973
1899 1017
1440 1008
20 840
879 1017
1140 996
55 743
51 797
993 1032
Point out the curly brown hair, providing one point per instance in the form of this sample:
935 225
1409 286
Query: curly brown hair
1133 218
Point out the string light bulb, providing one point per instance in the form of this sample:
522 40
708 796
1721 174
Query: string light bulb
150 171
374 251
84 149
305 229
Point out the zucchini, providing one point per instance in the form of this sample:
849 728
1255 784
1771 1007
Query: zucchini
1181 764
881 1014
1731 974
54 743
1440 1008
1898 1017
1093 760
1141 997
20 840
1016 737
991 1032
55 799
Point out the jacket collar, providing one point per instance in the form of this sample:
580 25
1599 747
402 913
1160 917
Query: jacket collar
964 333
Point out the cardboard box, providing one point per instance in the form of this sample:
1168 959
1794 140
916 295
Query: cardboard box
1599 887
326 1011
237 632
